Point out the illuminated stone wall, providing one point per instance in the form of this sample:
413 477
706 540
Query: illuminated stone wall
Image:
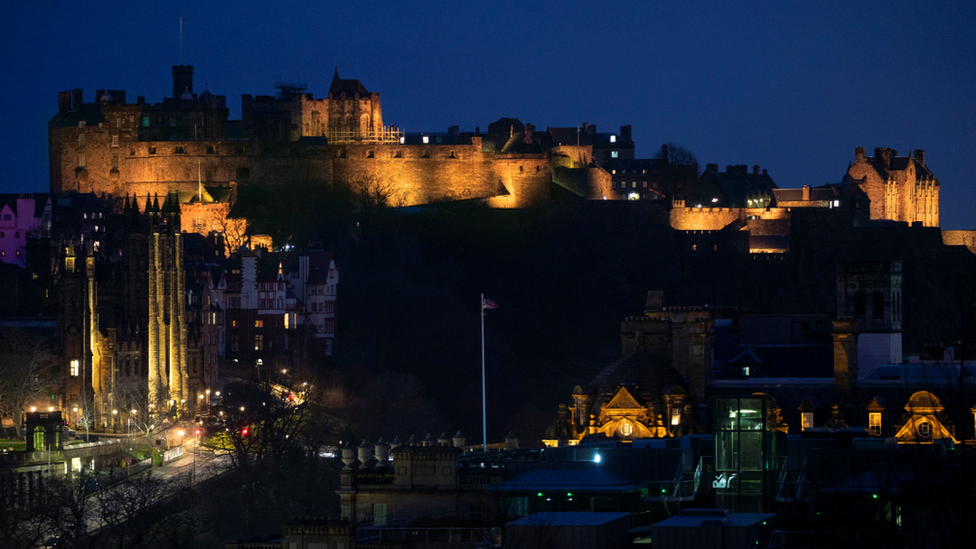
960 238
419 174
908 193
763 220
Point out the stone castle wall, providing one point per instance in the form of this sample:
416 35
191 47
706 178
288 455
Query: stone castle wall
764 220
960 238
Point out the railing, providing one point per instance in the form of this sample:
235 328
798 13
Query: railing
386 135
790 483
679 489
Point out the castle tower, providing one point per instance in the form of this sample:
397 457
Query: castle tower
901 188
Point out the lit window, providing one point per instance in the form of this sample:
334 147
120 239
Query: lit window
403 140
259 324
258 342
806 420
874 423
626 429
82 160
145 121
745 371
426 140
613 138
115 141
613 154
75 366
675 416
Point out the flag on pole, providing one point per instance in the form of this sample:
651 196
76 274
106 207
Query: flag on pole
488 304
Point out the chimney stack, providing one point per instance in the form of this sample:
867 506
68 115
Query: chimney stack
806 193
920 156
755 170
76 98
625 133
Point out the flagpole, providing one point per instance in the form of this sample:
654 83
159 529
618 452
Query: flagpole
484 408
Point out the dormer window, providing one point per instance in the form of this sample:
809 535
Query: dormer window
613 138
426 140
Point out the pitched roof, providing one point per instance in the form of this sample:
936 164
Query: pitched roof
349 87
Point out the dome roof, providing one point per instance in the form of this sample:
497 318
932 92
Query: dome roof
106 96
651 374
207 97
187 94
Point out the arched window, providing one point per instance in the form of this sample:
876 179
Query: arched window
626 429
39 439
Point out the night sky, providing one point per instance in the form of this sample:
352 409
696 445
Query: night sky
791 86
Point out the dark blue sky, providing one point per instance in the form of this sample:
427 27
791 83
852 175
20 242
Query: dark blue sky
791 86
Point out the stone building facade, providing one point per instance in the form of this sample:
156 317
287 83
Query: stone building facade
901 188
127 336
188 141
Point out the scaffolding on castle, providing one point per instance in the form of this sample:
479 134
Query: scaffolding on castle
389 135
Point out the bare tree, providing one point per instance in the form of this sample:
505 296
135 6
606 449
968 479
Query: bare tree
373 193
234 230
676 155
27 371
86 413
130 510
69 510
22 524
147 418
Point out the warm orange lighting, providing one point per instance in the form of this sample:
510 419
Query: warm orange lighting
33 408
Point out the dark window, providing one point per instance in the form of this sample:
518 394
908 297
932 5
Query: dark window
243 173
877 305
859 304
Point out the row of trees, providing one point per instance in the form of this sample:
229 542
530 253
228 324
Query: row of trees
85 510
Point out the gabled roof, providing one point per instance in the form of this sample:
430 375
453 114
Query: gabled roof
623 400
